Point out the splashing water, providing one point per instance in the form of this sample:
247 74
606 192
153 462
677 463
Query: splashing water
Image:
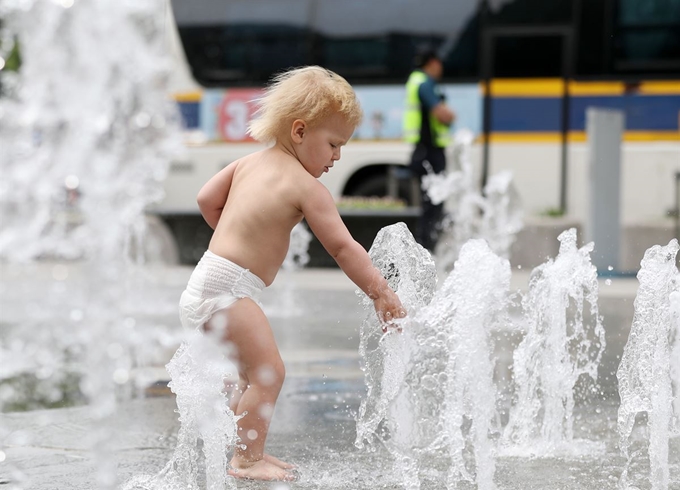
410 272
559 347
496 215
87 116
198 371
502 217
286 305
86 131
675 358
433 392
298 250
645 383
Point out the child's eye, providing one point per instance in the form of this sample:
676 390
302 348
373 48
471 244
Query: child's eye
334 146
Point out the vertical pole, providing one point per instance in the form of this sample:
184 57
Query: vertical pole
603 225
565 145
608 35
487 41
567 40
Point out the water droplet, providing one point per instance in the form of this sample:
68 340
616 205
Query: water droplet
608 282
267 375
610 268
142 120
72 182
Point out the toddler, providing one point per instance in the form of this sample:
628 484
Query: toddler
306 115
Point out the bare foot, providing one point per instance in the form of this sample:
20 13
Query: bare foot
276 461
260 470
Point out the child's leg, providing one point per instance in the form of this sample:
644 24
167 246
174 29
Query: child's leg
261 367
236 390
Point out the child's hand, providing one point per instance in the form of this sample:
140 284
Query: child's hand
389 309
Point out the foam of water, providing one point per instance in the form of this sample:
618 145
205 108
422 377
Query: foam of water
645 383
560 345
431 397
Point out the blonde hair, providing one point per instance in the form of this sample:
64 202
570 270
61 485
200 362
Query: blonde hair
310 93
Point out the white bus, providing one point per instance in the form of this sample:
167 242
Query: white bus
519 74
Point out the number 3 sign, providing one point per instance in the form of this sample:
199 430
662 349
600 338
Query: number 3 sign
235 111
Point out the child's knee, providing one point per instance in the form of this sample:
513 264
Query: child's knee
272 374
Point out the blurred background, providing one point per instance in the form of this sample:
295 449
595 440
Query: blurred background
520 75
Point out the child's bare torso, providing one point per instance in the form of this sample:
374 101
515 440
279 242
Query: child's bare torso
263 206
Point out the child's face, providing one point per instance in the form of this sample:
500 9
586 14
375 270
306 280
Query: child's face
318 147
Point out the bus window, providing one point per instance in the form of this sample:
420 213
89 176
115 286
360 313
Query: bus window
648 36
511 58
244 42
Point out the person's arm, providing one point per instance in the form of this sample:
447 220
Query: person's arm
324 220
443 113
213 195
434 104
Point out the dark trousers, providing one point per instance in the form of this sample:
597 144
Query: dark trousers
423 160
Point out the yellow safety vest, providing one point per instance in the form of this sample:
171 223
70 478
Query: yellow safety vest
413 116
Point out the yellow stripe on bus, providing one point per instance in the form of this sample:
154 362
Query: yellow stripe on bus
554 87
596 88
188 96
665 87
576 136
526 87
652 136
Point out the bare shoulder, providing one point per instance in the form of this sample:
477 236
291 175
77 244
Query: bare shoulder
315 198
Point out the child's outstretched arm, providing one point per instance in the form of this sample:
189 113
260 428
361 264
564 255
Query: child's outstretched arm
213 195
324 220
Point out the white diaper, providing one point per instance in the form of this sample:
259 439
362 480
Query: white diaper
215 284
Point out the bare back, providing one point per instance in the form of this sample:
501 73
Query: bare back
262 207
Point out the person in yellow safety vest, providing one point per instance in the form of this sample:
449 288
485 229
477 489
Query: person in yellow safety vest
427 119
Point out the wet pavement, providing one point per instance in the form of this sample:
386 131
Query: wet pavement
315 315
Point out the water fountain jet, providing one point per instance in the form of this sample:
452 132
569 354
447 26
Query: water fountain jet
646 369
431 398
560 346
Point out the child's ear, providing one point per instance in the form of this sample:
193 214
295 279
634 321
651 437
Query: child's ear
297 131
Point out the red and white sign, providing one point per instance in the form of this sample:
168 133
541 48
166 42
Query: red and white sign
235 112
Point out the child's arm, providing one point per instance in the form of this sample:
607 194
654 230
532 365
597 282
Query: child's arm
324 220
213 195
